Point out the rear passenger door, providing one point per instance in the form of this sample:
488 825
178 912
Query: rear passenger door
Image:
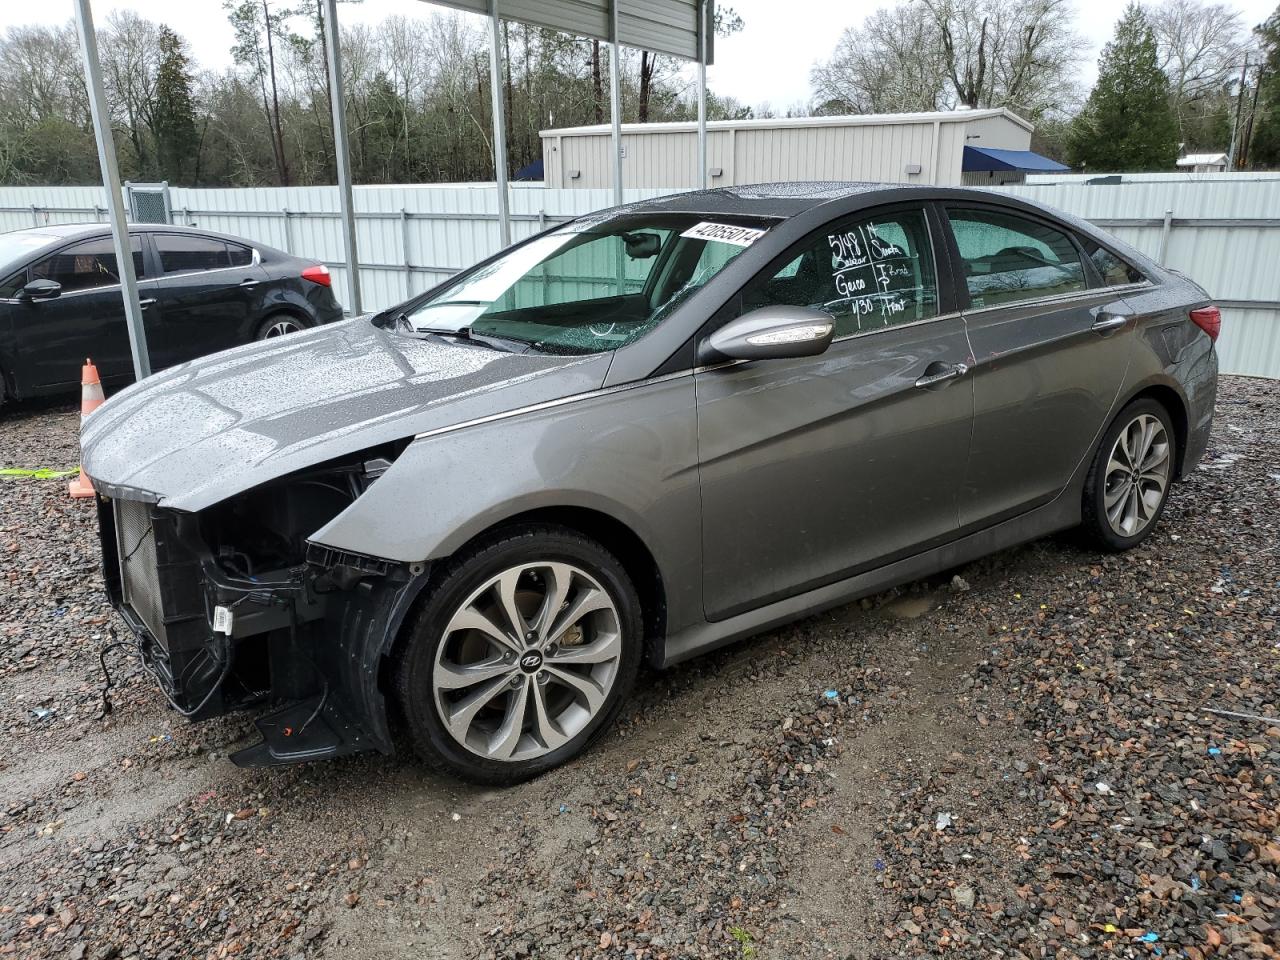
1051 346
815 469
211 293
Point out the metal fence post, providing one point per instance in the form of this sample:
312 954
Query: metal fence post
615 101
499 124
288 232
111 182
1164 237
404 252
342 154
35 217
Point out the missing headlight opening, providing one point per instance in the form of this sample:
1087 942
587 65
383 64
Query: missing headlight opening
232 608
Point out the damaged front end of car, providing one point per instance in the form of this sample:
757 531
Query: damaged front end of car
233 607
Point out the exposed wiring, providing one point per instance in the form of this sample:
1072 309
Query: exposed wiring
141 540
108 682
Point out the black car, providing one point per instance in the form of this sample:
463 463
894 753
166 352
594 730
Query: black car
200 292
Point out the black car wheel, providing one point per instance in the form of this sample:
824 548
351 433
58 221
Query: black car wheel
1129 480
522 655
279 325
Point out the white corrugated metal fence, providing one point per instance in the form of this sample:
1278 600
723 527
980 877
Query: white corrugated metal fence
1223 231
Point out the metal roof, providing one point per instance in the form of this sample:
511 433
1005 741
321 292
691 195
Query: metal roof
845 120
1199 159
991 158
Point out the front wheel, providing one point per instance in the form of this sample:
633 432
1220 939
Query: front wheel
523 654
1128 483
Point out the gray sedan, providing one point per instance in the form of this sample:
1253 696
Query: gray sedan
640 435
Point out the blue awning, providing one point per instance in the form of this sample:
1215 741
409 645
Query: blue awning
530 171
980 159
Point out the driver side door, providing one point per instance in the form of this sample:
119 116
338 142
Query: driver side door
813 470
55 336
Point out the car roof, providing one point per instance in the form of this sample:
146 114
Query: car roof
75 231
780 200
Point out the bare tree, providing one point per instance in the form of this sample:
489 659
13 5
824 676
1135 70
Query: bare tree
130 55
940 54
1199 44
892 62
1015 53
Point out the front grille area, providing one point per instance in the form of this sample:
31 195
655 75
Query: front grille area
139 565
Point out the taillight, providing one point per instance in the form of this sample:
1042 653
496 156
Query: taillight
317 274
1208 319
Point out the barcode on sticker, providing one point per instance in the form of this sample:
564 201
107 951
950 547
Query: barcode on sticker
724 233
222 620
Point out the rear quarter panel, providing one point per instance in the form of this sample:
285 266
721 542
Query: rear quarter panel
1173 353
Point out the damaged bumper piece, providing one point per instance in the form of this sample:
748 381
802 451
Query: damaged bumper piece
232 609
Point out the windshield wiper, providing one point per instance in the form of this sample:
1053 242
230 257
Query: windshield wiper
465 334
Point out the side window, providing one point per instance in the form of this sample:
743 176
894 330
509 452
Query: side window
240 256
1113 271
1008 258
10 286
867 272
83 266
181 253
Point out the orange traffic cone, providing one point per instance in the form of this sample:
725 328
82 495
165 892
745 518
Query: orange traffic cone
91 398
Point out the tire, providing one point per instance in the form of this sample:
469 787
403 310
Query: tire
486 708
1120 522
280 324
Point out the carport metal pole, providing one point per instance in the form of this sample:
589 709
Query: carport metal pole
342 154
111 183
703 27
615 100
499 123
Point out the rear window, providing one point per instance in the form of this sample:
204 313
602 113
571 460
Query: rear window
185 254
240 256
1114 271
1008 258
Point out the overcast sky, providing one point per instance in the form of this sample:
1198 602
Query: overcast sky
768 62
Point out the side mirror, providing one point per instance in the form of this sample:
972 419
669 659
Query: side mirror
775 333
42 290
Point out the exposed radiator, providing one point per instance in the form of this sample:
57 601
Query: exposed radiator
139 565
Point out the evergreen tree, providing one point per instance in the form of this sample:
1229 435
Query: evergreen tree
177 143
1264 145
1127 123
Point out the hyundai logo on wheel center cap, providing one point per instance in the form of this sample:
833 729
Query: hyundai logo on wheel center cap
531 662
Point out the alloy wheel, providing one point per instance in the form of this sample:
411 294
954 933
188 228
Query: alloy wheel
527 661
1137 475
281 327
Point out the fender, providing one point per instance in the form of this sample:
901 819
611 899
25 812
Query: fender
640 468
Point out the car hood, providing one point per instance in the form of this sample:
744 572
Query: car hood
207 430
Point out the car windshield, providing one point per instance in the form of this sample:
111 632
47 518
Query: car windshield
14 247
591 286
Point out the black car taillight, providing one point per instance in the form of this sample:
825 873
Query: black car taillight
1208 319
317 274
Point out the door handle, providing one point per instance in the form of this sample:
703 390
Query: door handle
1108 323
942 376
249 283
146 303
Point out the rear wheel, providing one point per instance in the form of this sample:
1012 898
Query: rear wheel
522 656
279 325
1128 483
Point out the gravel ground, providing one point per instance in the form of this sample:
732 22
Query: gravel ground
1017 762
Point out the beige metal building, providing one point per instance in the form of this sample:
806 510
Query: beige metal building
896 148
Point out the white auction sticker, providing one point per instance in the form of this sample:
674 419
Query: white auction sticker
223 620
724 233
